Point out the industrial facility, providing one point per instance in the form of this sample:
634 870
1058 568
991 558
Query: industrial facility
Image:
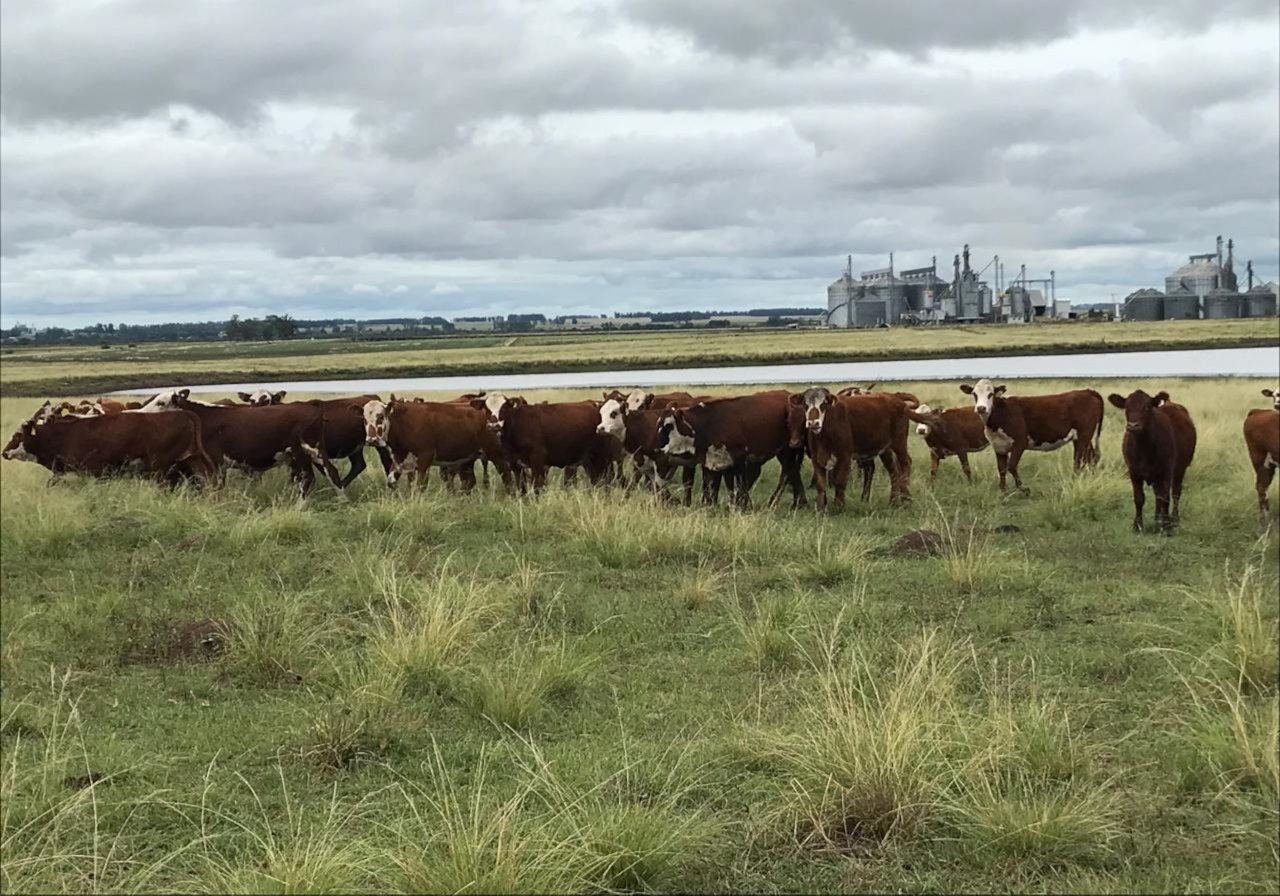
883 297
1207 288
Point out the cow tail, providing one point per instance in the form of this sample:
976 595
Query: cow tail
324 463
1097 435
197 434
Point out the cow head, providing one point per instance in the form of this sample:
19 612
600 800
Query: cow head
613 418
639 400
497 408
377 420
812 404
675 434
261 397
19 447
615 395
856 390
1274 395
922 428
984 394
1138 408
168 400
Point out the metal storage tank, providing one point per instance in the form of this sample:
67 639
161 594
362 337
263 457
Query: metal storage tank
869 312
1144 305
1221 304
1259 302
1200 275
1181 305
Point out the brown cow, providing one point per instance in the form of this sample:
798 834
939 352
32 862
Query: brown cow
421 434
162 446
550 434
954 431
637 432
1016 424
907 398
258 438
839 430
1262 438
1159 445
734 436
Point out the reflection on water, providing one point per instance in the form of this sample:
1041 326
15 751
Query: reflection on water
1183 362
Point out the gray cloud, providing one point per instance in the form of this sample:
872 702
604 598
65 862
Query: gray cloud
198 159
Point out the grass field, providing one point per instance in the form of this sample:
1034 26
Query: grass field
588 691
67 371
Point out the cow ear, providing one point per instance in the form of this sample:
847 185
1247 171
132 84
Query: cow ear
394 407
999 390
1117 400
518 402
279 396
391 398
966 388
184 394
1161 398
828 399
796 400
357 409
477 403
647 403
1269 393
244 396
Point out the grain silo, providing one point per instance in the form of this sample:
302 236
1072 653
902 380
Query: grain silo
1259 301
1144 305
1181 304
1221 304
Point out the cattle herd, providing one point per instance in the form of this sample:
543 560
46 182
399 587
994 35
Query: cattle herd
174 438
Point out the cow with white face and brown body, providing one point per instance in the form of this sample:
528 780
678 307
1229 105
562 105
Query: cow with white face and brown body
956 432
256 439
636 429
839 431
1017 424
734 437
166 447
1262 439
1159 445
536 437
421 434
640 400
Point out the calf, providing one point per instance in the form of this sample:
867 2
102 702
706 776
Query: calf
106 444
420 434
1262 439
549 434
839 430
1015 424
736 436
1159 445
258 438
954 431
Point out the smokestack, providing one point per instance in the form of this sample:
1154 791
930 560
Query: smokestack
966 258
1231 245
934 267
1249 269
957 279
1219 252
849 267
1053 290
890 264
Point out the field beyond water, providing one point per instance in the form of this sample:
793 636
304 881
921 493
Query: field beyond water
228 692
76 370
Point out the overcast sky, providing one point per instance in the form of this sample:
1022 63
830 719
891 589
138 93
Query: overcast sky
189 160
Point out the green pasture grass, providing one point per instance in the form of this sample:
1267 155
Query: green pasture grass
592 690
72 369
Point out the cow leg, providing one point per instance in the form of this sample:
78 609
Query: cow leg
820 485
792 471
710 486
1176 493
868 468
963 457
1015 455
840 479
1139 499
1163 519
467 477
893 467
357 467
933 468
1264 473
745 474
1002 465
686 478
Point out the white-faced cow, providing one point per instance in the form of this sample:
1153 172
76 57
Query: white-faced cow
1262 439
735 437
636 430
421 434
535 437
1159 445
1016 424
839 431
